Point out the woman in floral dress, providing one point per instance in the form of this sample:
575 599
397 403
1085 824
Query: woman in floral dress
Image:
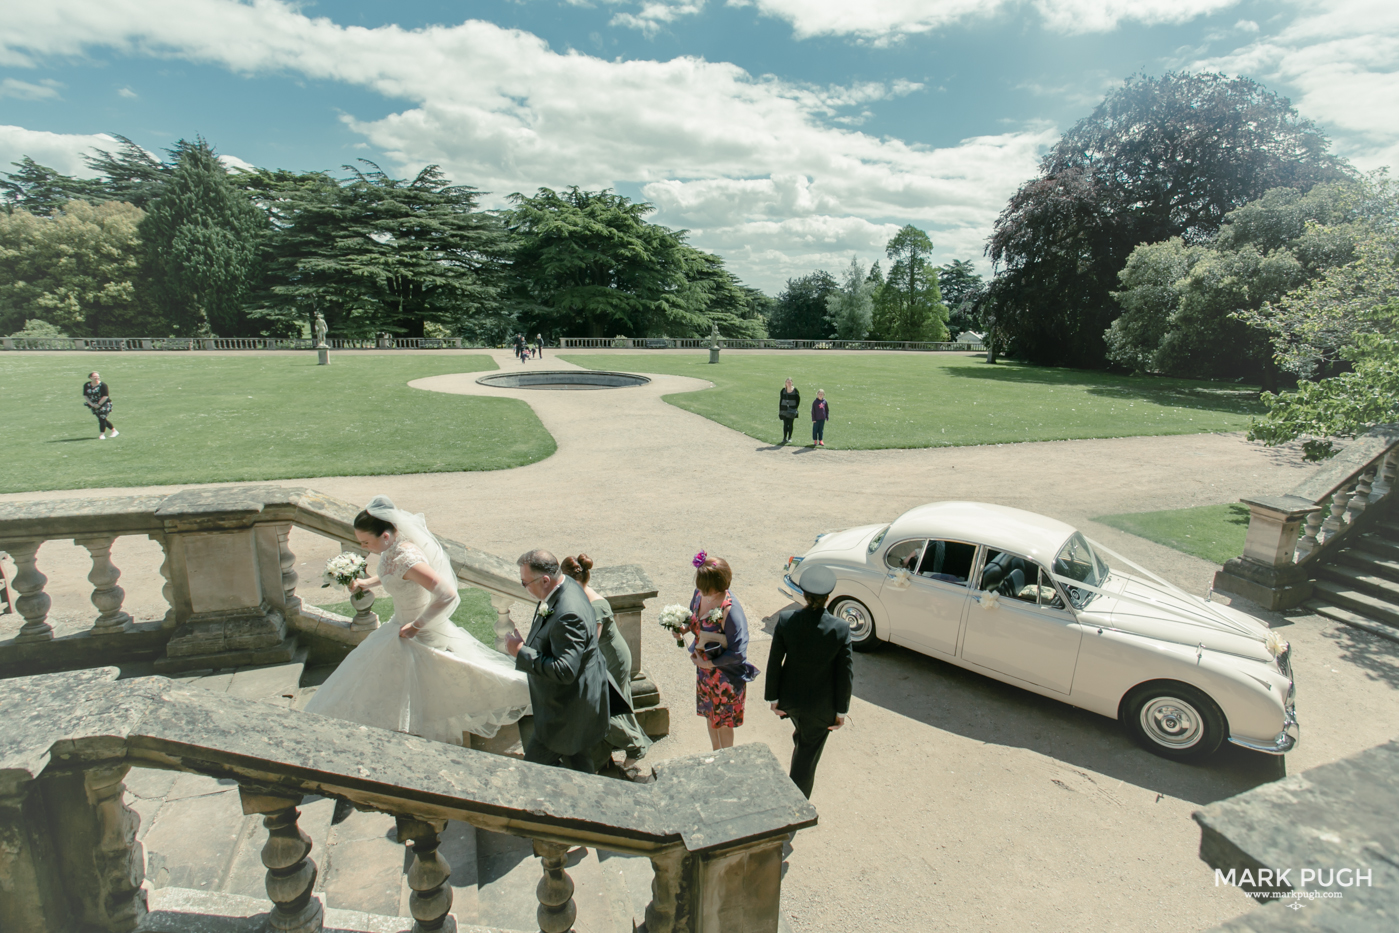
719 651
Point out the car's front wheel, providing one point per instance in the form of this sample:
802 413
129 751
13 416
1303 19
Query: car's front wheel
1174 720
855 614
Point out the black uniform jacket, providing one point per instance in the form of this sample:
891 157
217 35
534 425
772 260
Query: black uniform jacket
811 667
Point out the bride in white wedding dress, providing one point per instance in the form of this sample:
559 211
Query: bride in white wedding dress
419 673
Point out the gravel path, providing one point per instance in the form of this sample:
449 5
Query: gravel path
949 801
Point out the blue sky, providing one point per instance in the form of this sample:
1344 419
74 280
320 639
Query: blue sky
786 135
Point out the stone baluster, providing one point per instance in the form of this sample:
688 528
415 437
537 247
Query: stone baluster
503 625
1336 519
1384 483
287 562
119 859
669 868
291 874
555 890
168 589
1308 542
33 603
106 595
1361 498
428 876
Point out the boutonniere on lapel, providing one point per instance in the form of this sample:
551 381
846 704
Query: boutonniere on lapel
545 611
716 616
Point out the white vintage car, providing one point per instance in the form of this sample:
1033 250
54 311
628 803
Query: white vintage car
1030 601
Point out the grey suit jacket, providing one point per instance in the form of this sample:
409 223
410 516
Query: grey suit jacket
568 681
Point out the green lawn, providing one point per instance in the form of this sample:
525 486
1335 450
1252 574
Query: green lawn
196 418
475 614
1213 532
925 400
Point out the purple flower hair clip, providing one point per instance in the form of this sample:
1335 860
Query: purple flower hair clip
700 558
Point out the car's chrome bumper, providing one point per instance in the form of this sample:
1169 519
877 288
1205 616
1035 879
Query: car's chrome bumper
1284 742
791 590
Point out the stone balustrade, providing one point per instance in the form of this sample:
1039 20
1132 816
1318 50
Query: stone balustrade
228 343
712 826
230 583
742 343
1287 534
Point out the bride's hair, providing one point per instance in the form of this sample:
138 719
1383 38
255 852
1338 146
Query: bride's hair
580 568
375 526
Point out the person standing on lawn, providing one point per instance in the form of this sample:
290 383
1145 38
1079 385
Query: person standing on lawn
788 407
96 397
820 414
810 674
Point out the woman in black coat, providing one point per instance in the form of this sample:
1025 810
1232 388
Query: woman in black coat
788 407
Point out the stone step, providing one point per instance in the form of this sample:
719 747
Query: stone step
278 684
1373 584
1361 603
1370 562
1387 528
182 910
1353 619
1379 544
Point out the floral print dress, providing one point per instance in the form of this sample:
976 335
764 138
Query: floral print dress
721 690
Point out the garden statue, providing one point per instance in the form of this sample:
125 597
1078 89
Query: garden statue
318 330
713 343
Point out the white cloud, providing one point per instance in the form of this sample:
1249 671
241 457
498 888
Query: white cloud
753 165
882 19
23 90
1339 60
127 92
655 15
61 151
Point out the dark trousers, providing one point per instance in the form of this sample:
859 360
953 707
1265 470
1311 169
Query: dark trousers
808 741
818 430
787 428
103 425
541 754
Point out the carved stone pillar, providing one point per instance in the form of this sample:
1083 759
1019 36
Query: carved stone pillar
1266 572
1336 519
670 885
1384 482
503 625
555 890
168 590
1310 530
365 620
33 603
291 875
428 876
33 895
119 859
1361 499
106 595
292 602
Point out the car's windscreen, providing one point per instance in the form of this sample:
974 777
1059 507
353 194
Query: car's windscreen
1078 561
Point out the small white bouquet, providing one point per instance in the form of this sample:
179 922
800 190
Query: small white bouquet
1275 644
901 579
343 569
676 620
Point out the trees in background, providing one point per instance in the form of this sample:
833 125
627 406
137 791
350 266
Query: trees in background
77 269
800 310
908 306
850 309
1158 158
961 288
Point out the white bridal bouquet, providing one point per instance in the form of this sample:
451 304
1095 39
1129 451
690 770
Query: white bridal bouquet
676 620
343 569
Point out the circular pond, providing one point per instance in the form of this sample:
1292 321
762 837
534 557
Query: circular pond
562 379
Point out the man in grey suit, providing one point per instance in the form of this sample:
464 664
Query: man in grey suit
810 673
568 683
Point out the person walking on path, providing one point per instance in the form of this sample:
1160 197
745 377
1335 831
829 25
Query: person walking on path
539 345
719 651
820 414
810 673
97 398
623 731
568 683
788 407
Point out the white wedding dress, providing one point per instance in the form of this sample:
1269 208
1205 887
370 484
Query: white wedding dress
437 685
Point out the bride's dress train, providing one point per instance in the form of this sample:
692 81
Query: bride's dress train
437 685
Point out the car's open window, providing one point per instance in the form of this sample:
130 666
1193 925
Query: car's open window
1020 579
948 561
904 555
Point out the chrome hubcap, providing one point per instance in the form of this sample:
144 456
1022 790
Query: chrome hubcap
855 617
1171 722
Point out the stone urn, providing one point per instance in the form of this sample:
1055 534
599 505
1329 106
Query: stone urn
364 620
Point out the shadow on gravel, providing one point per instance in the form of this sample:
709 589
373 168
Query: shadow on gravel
1377 657
956 700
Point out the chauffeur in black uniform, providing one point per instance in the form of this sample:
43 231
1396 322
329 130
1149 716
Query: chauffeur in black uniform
809 674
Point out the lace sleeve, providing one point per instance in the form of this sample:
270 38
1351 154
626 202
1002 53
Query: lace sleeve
400 558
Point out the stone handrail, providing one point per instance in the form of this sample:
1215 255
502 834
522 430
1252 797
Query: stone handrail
1288 534
228 343
231 583
712 826
740 343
